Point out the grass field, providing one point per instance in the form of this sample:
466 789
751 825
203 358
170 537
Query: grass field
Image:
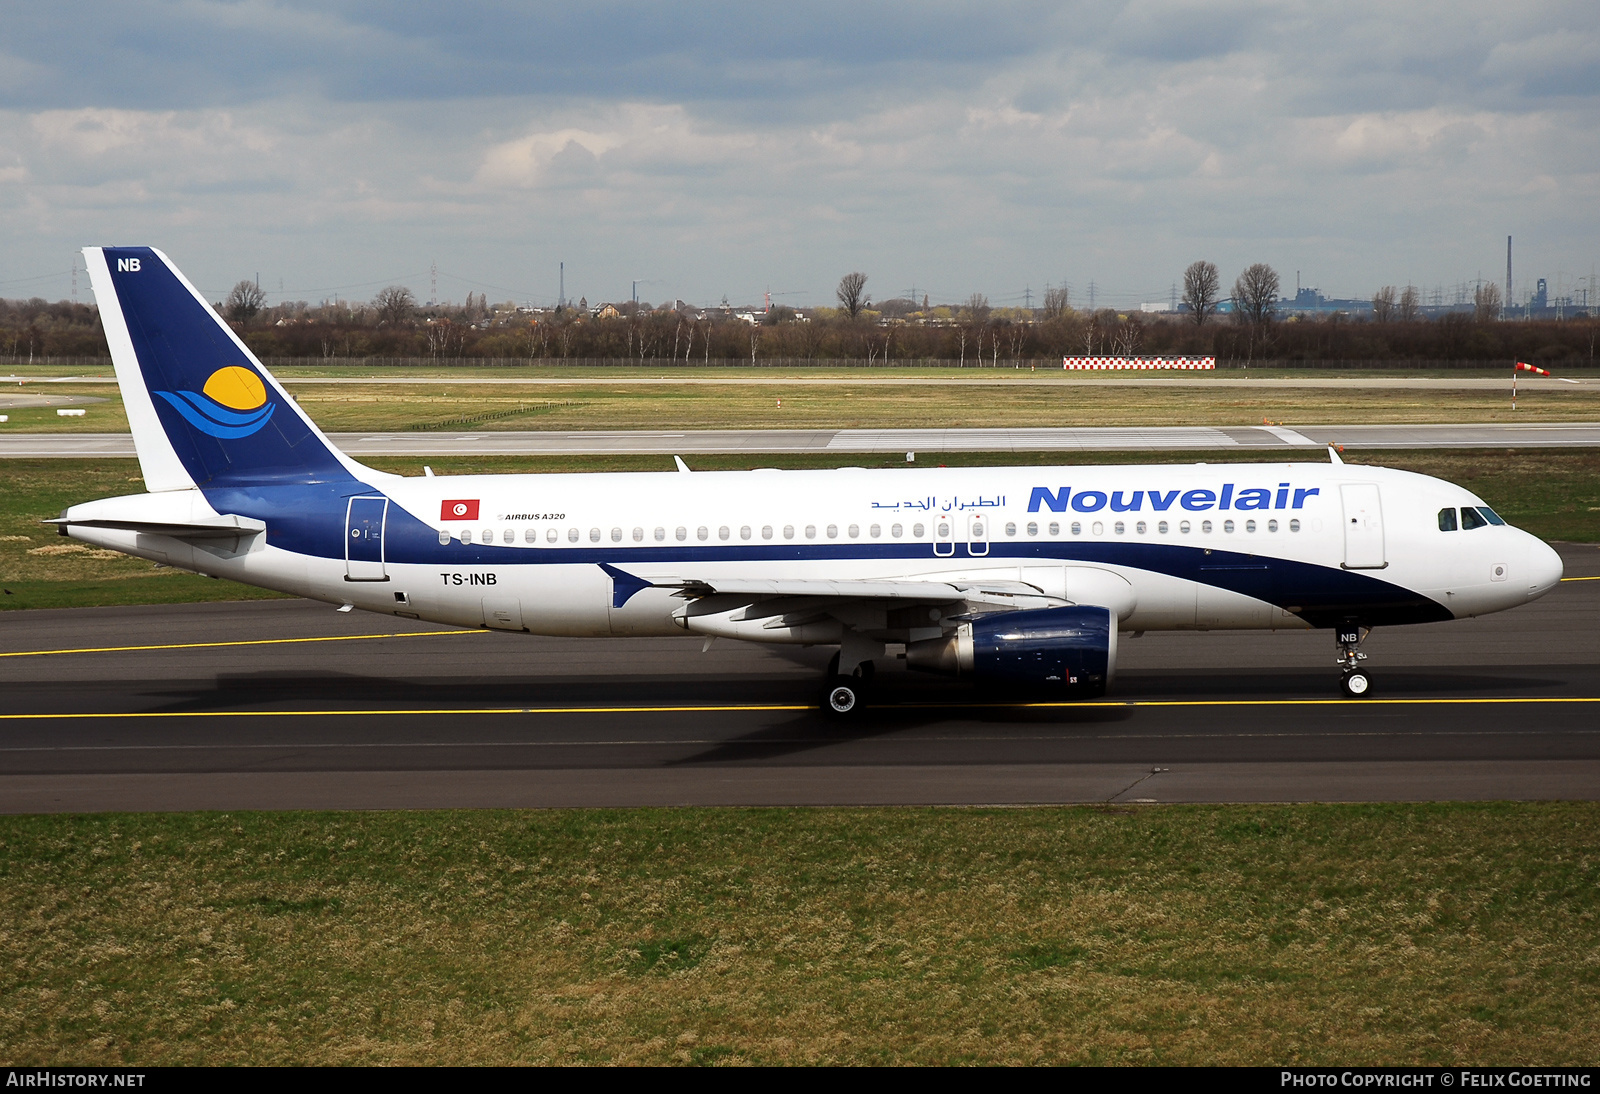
1428 934
1554 493
854 402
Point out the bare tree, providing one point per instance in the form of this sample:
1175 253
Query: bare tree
1255 295
1383 304
244 301
394 304
850 292
1127 336
1486 302
1202 285
977 316
1056 302
1410 305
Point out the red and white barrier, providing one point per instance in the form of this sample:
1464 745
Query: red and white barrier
1138 362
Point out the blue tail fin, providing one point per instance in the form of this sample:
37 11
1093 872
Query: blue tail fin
203 410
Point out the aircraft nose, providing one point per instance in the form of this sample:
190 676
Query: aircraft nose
1544 568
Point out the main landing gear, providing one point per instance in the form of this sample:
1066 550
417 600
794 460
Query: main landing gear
1354 682
845 695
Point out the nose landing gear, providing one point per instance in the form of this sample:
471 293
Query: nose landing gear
1354 682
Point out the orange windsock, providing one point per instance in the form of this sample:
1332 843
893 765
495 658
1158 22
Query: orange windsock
1531 368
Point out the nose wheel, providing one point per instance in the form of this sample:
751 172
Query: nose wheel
1354 682
1355 685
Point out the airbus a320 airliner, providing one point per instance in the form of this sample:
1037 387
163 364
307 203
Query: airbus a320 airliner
1018 577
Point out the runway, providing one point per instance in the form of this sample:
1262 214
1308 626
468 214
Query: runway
288 704
847 441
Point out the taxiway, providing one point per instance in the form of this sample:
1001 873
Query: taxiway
288 704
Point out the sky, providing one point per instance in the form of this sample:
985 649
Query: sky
715 149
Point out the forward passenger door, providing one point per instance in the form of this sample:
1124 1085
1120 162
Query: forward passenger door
1363 526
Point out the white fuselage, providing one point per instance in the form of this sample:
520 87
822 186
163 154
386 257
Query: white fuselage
1165 546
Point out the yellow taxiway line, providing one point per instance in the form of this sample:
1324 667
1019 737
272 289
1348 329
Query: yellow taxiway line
767 708
246 642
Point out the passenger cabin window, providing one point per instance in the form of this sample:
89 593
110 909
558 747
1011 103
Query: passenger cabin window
916 531
833 531
681 533
1119 528
896 530
660 534
723 533
702 532
616 535
509 536
638 535
466 535
1294 525
1272 526
552 535
530 535
875 531
1447 520
1055 528
572 535
854 530
811 531
444 536
1471 518
744 531
1141 528
766 531
594 535
788 531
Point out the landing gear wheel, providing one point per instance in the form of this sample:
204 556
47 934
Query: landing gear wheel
843 697
1355 685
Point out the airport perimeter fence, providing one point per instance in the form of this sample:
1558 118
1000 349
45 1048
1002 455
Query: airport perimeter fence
1036 364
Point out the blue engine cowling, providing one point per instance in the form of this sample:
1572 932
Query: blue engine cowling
1071 649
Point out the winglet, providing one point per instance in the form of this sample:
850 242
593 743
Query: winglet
1333 455
681 465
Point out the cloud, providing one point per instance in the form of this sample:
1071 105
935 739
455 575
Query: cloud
722 149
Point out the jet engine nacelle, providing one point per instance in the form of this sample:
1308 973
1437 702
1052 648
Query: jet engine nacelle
1066 649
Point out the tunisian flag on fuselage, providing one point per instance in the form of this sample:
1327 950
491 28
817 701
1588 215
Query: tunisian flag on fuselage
459 509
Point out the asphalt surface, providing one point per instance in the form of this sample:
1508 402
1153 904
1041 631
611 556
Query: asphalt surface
288 704
845 441
24 401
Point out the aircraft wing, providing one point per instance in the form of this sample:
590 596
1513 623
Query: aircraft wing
991 594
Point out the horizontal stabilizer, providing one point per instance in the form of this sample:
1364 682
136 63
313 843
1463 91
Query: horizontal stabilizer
223 527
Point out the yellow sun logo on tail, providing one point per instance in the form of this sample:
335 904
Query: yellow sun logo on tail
236 388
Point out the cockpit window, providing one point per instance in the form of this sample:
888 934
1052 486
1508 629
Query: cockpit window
1490 515
1447 520
1470 518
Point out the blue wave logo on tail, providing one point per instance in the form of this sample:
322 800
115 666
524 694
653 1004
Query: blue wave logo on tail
233 404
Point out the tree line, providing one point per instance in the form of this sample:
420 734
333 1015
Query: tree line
394 325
